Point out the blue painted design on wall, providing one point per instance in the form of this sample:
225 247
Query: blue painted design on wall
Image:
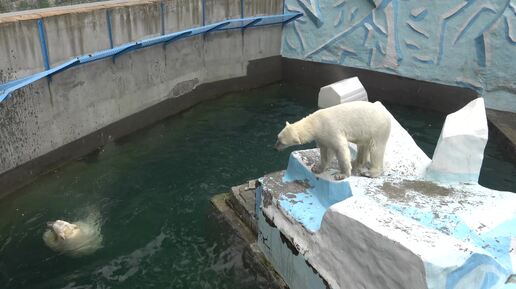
490 278
493 265
419 14
305 208
312 10
481 50
308 207
292 266
457 42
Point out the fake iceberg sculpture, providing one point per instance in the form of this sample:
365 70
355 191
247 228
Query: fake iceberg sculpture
460 150
392 232
346 90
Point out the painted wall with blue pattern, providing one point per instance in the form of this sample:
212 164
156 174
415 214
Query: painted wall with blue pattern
468 43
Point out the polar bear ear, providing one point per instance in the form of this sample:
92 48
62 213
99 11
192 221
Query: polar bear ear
286 123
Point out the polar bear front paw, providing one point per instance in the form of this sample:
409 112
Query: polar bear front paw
339 177
317 169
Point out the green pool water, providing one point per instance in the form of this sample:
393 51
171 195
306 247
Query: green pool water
152 191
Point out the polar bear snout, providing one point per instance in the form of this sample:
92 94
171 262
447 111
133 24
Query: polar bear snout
287 137
63 229
279 146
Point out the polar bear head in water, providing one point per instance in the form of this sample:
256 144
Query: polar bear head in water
64 230
73 239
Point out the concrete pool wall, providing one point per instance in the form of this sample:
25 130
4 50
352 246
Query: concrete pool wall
51 121
81 29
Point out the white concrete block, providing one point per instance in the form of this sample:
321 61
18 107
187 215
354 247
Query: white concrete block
346 90
391 232
459 153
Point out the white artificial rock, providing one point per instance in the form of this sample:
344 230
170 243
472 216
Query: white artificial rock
346 90
460 150
394 231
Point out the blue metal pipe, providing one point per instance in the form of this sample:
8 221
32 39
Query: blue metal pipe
218 26
110 30
242 23
203 12
252 23
178 36
292 19
162 16
43 42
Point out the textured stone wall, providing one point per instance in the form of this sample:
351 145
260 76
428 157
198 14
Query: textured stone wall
463 43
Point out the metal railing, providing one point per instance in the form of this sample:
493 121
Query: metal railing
242 23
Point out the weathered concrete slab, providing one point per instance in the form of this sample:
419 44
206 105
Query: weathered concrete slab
395 231
253 255
70 9
221 203
242 200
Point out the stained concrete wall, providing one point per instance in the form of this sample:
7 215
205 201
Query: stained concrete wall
462 43
182 14
20 51
48 115
74 34
135 22
83 29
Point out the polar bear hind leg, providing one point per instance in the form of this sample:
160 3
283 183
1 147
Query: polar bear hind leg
376 151
362 157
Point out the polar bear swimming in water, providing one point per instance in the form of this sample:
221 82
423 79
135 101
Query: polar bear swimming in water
74 239
368 125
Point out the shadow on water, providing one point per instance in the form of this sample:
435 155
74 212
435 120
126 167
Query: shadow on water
153 187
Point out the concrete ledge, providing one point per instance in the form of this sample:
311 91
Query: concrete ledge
243 202
254 255
62 10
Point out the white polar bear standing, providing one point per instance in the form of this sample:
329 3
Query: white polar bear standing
365 124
